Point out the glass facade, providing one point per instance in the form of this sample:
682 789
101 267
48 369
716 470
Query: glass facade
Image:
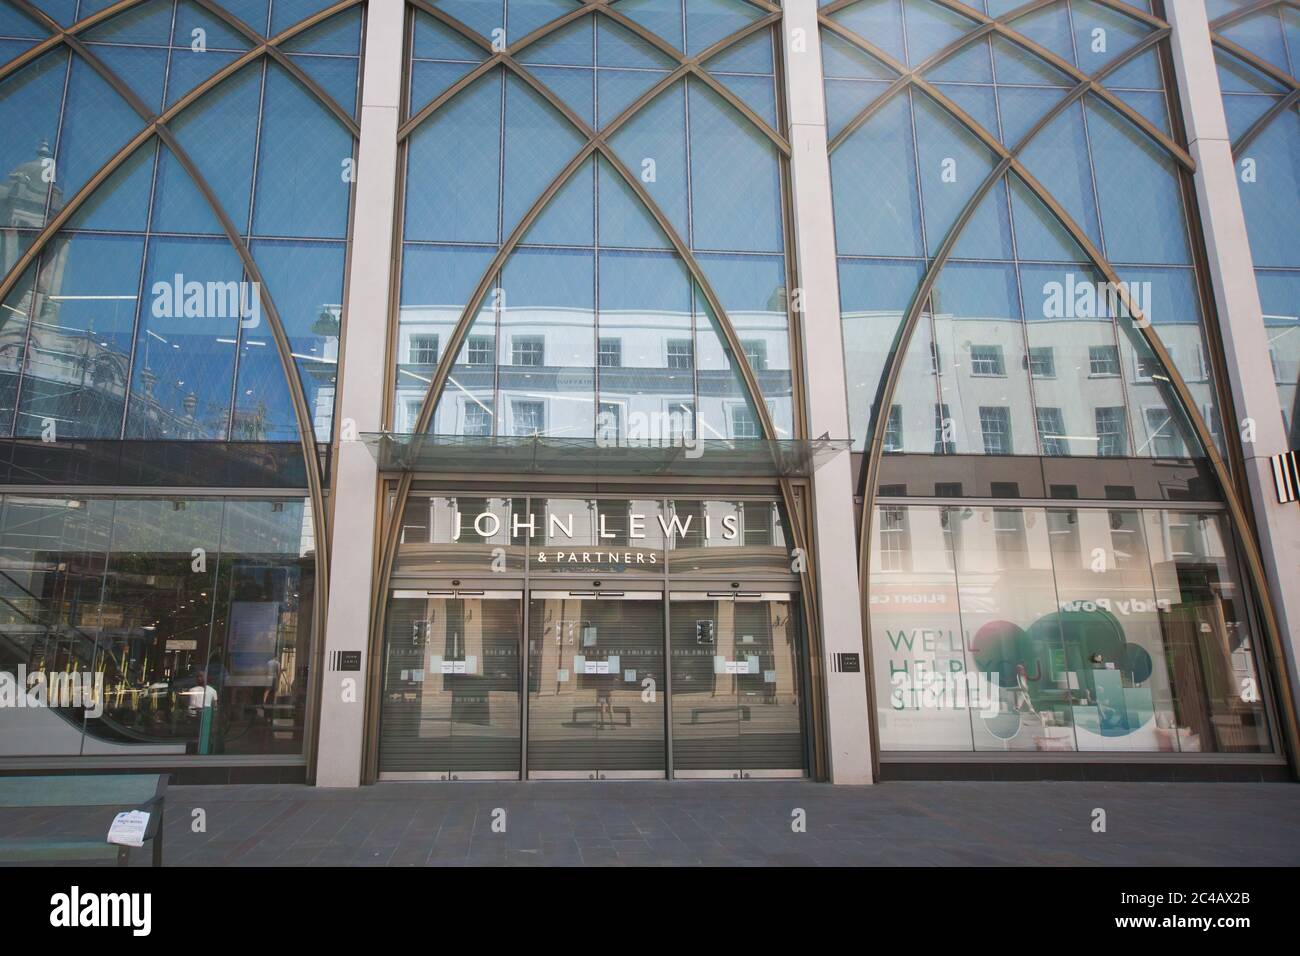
586 220
1258 51
141 317
575 277
1022 285
1005 294
174 217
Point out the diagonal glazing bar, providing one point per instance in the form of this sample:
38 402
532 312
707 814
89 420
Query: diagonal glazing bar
1243 13
157 125
280 57
912 76
688 64
1288 102
1274 73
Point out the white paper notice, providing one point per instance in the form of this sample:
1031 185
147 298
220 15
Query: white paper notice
562 676
769 677
127 828
629 676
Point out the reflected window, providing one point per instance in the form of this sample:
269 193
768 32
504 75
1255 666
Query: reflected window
894 429
529 417
1051 431
528 350
1103 361
478 420
681 355
479 350
744 424
995 427
611 352
894 541
1164 439
424 350
1042 362
1112 432
987 360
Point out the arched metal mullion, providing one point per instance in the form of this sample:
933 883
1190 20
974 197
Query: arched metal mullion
740 361
409 127
1260 6
391 521
693 64
60 219
66 35
1287 102
157 126
59 31
306 431
285 61
1176 384
905 79
449 21
722 90
1276 74
1140 121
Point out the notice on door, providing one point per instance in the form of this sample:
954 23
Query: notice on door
440 665
583 666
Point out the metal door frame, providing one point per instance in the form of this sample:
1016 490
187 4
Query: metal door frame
736 595
636 594
486 594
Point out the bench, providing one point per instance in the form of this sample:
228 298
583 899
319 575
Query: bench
740 710
136 791
625 711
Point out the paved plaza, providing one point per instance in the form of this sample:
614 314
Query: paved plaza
718 823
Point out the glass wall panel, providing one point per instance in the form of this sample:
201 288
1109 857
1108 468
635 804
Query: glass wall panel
1269 182
186 622
1217 705
652 364
1008 613
918 649
1096 175
1061 629
243 139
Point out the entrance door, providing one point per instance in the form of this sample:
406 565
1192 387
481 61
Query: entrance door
596 684
451 707
737 705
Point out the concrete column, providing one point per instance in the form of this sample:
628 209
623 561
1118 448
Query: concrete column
1237 298
847 717
361 398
